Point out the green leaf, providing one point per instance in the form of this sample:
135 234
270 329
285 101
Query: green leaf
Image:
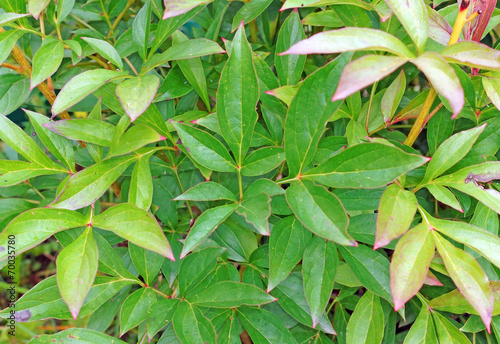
8 41
205 149
410 264
109 261
141 29
88 185
191 326
308 114
365 71
81 86
422 331
443 78
319 265
195 267
340 320
445 196
366 165
76 336
35 226
17 139
44 300
137 93
350 39
135 308
447 332
147 262
193 71
237 97
183 50
492 87
287 243
14 91
451 151
84 129
229 294
370 267
392 97
106 50
367 321
60 147
141 184
256 209
468 276
290 294
63 8
136 137
46 61
289 68
13 172
205 225
395 214
76 270
207 191
320 211
159 315
473 54
262 161
408 18
264 326
135 225
174 8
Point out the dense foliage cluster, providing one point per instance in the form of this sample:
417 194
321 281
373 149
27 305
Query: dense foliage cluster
197 171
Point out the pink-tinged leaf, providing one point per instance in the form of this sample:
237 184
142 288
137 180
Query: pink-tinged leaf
473 54
365 71
35 7
350 39
174 8
482 241
431 279
439 29
443 78
492 88
395 214
137 93
410 264
468 276
410 12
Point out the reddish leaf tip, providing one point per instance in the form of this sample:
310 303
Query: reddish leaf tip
195 121
336 97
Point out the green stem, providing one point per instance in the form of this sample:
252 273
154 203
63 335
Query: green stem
374 88
182 190
240 184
